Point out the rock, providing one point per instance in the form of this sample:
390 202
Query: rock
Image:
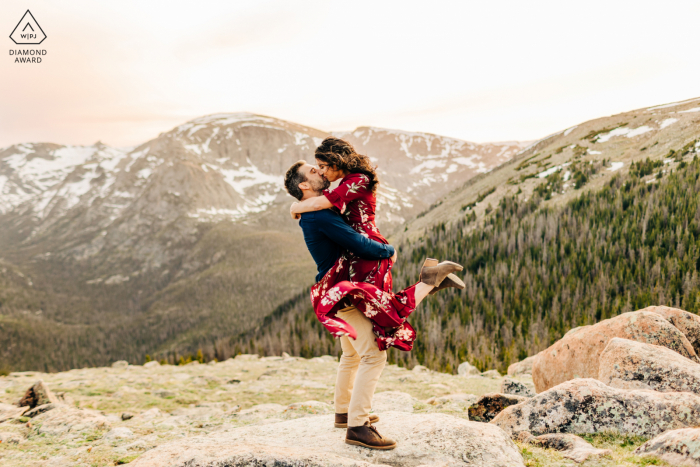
490 405
677 447
459 399
38 394
687 323
39 409
515 387
583 406
263 409
313 406
67 419
577 354
628 364
164 393
151 364
9 438
393 401
120 364
271 358
247 357
572 446
8 412
120 432
127 416
523 367
286 355
313 442
420 369
466 369
493 374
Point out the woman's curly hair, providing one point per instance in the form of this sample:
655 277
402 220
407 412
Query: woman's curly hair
340 155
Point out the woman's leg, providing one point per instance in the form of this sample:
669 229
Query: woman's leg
421 291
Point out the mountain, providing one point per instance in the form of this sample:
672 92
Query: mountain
585 224
614 141
175 244
424 165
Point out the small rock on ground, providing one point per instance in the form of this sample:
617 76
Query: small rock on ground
515 387
490 405
120 432
466 369
120 364
677 447
572 447
38 394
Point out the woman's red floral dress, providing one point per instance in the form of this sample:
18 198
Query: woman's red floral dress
363 283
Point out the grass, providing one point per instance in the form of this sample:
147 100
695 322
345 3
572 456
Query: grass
622 447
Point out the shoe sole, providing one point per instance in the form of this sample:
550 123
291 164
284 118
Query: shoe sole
345 425
456 281
358 443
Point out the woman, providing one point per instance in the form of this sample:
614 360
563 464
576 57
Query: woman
366 284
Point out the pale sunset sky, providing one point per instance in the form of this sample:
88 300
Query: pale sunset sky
124 71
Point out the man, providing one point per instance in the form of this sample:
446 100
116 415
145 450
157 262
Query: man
327 237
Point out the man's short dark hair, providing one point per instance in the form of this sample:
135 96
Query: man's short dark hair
293 178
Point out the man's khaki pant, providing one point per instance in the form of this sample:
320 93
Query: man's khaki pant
360 367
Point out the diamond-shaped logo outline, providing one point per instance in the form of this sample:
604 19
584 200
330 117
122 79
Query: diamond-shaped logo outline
35 22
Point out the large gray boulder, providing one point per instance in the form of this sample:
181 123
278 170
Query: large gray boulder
627 364
585 406
687 323
577 354
423 439
677 447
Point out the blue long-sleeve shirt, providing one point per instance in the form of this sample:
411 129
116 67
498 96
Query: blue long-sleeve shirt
327 236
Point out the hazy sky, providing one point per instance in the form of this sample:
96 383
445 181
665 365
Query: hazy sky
124 71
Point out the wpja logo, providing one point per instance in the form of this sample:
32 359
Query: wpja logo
28 32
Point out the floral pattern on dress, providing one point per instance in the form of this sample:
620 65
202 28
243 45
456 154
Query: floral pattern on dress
366 284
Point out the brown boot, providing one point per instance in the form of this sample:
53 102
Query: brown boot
433 273
341 419
368 436
450 281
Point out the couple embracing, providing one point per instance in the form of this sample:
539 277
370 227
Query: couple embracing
353 296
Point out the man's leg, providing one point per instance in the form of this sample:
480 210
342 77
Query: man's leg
347 369
372 361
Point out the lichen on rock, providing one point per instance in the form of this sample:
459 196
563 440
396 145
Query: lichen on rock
584 406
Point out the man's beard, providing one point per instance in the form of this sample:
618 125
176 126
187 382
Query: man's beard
319 185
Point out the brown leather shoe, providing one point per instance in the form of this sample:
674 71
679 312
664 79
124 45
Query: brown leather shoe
450 281
341 419
433 273
368 436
